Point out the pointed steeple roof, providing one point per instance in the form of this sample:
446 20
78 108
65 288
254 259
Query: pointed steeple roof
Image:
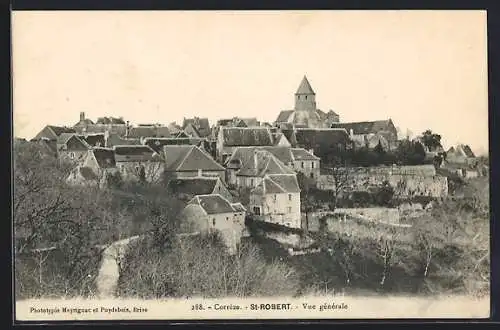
305 87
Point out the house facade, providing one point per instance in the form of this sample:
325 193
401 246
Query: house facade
210 213
71 148
139 163
277 200
248 166
306 162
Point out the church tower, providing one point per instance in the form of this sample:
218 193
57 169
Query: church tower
305 98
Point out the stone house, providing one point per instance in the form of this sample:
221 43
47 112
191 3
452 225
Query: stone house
71 148
248 165
277 200
139 163
230 138
187 188
461 154
210 213
184 161
98 165
306 162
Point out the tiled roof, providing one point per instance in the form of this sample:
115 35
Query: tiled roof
116 140
192 186
64 137
264 163
135 153
188 158
280 183
322 140
213 204
303 154
110 120
364 127
238 207
467 150
58 130
202 125
94 140
239 137
157 143
141 131
105 157
84 122
284 115
284 154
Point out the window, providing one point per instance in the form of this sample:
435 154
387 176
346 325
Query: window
227 218
72 155
289 209
256 210
251 182
312 175
289 197
302 164
213 221
274 198
306 97
312 164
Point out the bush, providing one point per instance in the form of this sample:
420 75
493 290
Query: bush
200 267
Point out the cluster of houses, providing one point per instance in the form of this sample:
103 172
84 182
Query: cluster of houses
206 164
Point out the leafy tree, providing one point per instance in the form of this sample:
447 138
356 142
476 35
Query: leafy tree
431 140
410 153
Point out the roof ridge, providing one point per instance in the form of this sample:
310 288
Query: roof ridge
185 157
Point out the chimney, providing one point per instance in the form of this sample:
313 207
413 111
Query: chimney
127 127
200 172
82 116
311 151
351 132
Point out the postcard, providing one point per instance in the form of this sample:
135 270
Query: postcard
198 165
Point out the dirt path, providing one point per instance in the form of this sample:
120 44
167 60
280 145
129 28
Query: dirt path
107 278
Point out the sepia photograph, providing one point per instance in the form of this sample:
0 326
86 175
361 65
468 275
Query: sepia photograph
197 165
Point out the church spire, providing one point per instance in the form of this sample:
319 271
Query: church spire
305 98
305 87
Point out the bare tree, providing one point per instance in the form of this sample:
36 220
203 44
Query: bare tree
387 244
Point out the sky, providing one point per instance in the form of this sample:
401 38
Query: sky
422 69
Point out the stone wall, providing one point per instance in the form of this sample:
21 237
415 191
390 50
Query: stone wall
427 183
